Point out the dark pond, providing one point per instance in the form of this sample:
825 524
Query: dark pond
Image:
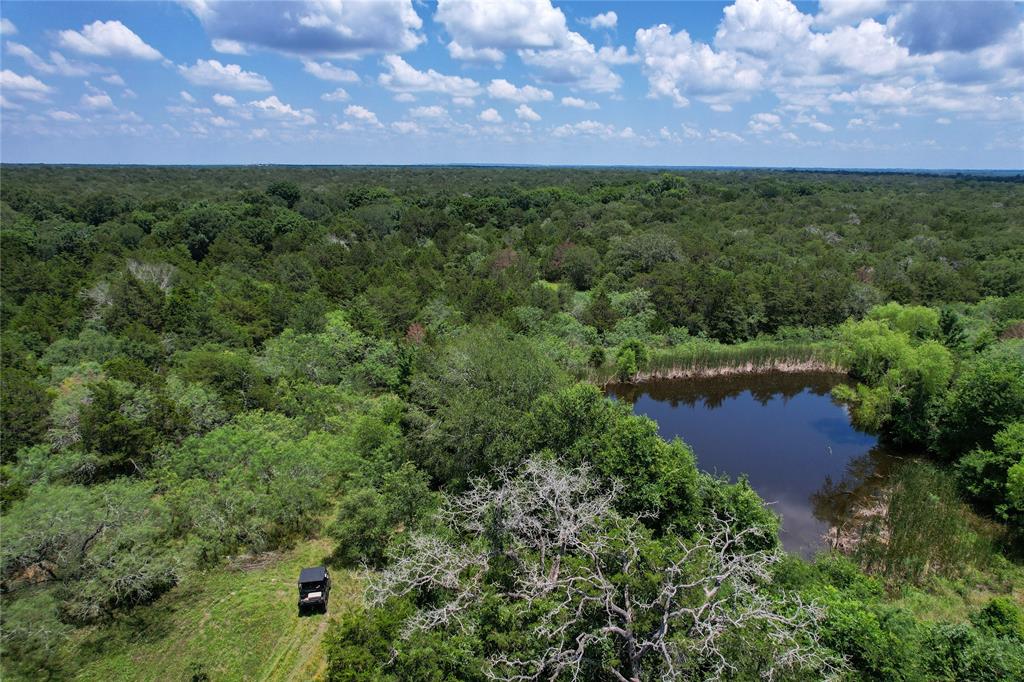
785 433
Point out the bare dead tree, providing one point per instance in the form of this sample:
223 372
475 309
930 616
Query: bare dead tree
161 275
99 297
581 565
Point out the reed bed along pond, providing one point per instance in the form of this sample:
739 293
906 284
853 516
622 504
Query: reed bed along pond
706 359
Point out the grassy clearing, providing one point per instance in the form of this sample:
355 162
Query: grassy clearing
953 601
232 623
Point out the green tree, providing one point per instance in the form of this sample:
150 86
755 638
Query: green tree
368 517
600 313
951 329
984 472
626 366
24 405
469 400
288 192
1001 617
585 427
114 424
918 322
986 396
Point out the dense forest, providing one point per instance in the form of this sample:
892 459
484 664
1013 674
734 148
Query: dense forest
398 371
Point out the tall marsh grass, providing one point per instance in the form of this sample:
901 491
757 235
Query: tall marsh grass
924 529
701 358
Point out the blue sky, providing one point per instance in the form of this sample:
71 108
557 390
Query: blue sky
850 83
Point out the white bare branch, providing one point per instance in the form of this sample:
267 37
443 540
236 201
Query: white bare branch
99 297
589 580
160 275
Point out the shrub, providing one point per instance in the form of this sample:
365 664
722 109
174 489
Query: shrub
1001 617
626 365
251 484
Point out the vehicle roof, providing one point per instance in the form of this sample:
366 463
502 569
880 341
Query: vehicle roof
312 575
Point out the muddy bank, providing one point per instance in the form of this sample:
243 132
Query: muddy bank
868 518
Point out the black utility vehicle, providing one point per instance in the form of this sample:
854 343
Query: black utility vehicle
314 588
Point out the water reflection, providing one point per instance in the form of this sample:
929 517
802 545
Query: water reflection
785 433
713 392
840 504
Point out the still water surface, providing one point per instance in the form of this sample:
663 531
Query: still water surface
785 433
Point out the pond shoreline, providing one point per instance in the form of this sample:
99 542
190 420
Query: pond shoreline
743 369
777 424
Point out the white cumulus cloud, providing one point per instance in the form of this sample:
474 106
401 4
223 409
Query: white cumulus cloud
764 122
428 112
525 113
212 73
402 77
514 24
107 39
579 103
480 55
25 87
329 72
677 68
362 114
761 27
58 64
812 121
603 20
225 46
336 95
576 63
490 116
591 128
408 127
690 132
834 12
481 30
716 135
272 107
617 55
502 89
58 115
97 100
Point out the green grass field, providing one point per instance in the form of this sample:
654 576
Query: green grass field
233 623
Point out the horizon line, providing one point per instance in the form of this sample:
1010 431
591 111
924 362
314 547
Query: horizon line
594 166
